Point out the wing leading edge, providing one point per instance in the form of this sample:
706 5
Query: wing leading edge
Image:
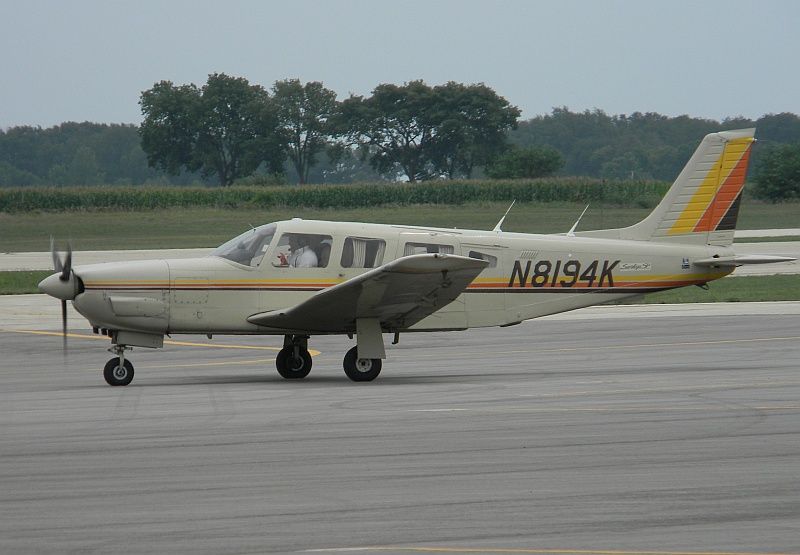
398 294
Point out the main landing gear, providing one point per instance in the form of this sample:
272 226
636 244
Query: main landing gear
361 369
294 361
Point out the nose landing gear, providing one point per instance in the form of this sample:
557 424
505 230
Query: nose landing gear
118 370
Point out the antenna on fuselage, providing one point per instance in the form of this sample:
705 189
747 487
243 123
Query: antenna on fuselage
571 232
500 223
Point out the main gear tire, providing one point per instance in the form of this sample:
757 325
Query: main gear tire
361 369
291 366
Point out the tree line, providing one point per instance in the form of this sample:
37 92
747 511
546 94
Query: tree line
229 130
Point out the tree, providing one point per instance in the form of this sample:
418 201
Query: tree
395 127
84 170
530 162
303 113
472 123
169 129
228 128
237 130
777 174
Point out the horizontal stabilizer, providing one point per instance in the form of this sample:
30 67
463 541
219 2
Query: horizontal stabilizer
742 260
398 294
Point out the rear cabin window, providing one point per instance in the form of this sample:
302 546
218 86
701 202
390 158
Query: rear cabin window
303 250
427 248
362 252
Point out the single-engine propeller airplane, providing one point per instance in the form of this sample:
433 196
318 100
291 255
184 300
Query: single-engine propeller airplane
300 278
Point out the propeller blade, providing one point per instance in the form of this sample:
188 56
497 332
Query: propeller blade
64 324
67 264
57 266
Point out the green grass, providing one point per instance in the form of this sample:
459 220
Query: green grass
17 283
205 227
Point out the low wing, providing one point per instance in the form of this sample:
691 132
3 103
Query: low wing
741 260
399 294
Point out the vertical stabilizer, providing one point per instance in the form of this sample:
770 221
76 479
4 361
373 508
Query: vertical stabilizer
702 205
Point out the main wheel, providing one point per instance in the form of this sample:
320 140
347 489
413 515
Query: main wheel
293 367
116 374
361 369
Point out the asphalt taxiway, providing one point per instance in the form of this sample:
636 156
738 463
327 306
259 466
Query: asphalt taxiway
618 429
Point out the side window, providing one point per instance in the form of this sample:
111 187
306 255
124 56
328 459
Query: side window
362 252
423 248
303 250
492 260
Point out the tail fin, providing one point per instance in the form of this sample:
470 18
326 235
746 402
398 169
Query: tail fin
703 203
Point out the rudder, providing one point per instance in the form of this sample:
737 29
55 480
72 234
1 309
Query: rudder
702 206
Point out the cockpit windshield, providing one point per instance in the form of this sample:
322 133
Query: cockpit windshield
249 247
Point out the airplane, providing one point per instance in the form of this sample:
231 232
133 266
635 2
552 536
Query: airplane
301 278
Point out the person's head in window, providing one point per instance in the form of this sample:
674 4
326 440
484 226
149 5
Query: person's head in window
302 255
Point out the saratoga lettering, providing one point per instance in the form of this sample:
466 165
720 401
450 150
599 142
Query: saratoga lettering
562 274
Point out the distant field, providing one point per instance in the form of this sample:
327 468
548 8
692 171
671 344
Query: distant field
203 227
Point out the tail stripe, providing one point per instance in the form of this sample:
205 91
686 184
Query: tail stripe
728 222
731 188
718 191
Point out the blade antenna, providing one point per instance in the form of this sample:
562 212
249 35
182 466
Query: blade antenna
571 232
500 223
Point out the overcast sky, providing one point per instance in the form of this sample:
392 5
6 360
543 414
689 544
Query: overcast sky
90 60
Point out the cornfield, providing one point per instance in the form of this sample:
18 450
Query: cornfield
616 193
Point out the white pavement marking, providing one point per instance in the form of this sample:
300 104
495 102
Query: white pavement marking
750 233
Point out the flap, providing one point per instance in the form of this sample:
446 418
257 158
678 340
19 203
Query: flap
399 294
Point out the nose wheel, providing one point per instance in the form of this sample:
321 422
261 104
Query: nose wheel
118 373
118 370
361 369
294 361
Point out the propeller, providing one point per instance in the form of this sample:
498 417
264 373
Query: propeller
62 285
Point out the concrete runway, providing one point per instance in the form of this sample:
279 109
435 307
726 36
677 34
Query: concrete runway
624 429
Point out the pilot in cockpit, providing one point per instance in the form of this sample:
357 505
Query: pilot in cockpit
301 254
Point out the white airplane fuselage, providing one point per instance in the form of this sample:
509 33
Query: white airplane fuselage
530 276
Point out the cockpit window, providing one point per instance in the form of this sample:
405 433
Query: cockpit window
249 247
